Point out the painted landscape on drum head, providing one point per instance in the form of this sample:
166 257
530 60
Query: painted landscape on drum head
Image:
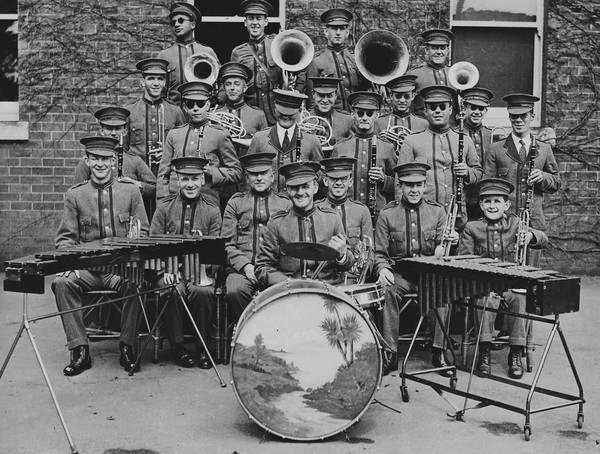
305 366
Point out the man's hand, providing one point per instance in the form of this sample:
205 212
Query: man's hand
338 242
461 169
453 237
171 278
536 176
386 277
66 273
376 174
132 181
249 272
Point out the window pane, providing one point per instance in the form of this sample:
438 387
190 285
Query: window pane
503 56
228 8
8 6
8 61
494 10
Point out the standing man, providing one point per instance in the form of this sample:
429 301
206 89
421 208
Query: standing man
199 138
184 17
152 116
285 139
187 213
476 101
244 224
325 94
355 216
369 180
510 160
256 54
97 208
337 60
303 222
411 226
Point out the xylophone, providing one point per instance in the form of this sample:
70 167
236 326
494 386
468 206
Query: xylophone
442 281
125 257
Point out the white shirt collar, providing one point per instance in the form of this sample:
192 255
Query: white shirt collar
281 132
526 140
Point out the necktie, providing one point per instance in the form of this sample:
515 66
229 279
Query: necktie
286 141
522 151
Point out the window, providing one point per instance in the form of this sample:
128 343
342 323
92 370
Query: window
503 39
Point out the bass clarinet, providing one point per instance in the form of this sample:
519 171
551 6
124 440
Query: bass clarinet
373 184
525 212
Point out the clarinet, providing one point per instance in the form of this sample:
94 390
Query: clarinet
461 148
525 212
119 150
298 144
373 184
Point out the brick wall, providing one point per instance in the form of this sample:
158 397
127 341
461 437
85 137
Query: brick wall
77 56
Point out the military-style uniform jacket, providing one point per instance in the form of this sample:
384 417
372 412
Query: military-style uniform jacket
252 118
406 230
318 225
429 74
256 54
268 141
440 151
224 167
361 148
341 124
336 62
94 211
503 161
244 223
177 55
144 125
496 240
410 121
133 167
176 215
482 139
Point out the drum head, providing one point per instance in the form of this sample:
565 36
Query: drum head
305 362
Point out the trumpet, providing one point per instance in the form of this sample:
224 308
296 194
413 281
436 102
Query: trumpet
380 56
201 67
228 121
318 126
292 51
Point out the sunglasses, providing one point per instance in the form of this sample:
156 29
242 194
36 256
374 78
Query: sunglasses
341 179
515 117
362 113
433 107
179 20
401 96
190 103
474 107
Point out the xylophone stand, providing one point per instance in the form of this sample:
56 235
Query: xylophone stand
25 326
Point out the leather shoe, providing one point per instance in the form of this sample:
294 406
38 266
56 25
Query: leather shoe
127 358
80 361
203 361
390 363
439 360
483 363
515 368
182 356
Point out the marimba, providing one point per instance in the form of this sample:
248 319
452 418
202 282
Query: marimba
451 279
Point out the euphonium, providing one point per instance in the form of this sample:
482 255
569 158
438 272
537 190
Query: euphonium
380 56
201 67
292 51
228 121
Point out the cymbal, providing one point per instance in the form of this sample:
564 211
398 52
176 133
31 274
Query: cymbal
309 251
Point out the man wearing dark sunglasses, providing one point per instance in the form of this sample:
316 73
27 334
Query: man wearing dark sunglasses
183 17
199 138
509 159
361 145
476 101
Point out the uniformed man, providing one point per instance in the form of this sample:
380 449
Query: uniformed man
199 138
435 70
152 116
285 139
411 226
438 146
256 54
304 222
325 94
188 213
97 208
363 145
184 18
113 123
356 218
401 93
337 60
476 101
509 159
244 223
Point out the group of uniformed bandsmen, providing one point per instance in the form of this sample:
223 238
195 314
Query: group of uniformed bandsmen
179 173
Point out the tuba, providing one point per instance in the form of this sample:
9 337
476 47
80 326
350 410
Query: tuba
201 67
292 51
380 56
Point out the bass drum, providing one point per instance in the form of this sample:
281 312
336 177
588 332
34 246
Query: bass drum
305 362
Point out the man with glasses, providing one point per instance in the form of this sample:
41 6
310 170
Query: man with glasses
184 17
337 60
285 139
199 138
476 101
304 222
363 145
509 159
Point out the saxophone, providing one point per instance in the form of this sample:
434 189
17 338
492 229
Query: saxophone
525 212
373 184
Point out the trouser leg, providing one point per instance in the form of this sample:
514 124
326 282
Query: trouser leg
438 333
239 293
131 307
201 302
391 310
516 326
489 317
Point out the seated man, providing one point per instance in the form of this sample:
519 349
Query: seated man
303 222
495 236
97 208
244 224
188 213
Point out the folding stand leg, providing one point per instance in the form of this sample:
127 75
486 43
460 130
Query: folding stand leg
403 388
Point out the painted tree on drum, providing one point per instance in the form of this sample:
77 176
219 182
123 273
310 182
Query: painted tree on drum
341 332
260 349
